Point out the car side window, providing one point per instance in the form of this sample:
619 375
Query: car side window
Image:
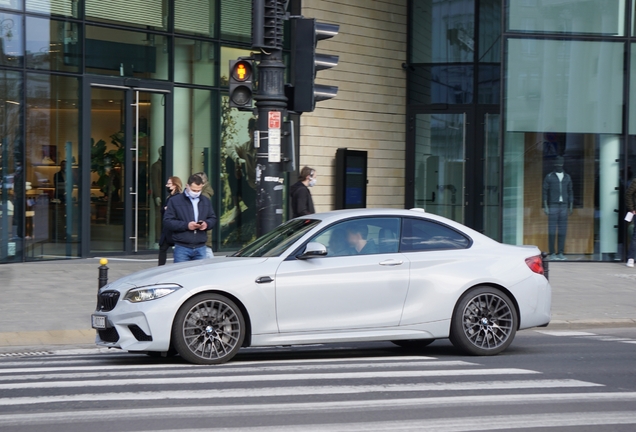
425 235
363 236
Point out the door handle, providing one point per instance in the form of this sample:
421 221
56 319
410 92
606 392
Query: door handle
264 279
391 262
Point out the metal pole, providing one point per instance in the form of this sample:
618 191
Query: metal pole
270 98
102 280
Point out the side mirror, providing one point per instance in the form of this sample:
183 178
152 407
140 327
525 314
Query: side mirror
313 250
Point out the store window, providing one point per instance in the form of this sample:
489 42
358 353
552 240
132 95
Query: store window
126 53
11 40
563 111
52 210
195 62
570 17
52 44
12 193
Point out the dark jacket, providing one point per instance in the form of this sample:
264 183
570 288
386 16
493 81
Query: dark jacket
301 202
553 188
630 196
180 213
166 234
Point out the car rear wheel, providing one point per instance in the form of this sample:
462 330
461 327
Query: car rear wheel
414 344
208 329
484 322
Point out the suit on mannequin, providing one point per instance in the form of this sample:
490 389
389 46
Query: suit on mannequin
558 200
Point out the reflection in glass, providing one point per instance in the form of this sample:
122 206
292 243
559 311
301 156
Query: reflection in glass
108 152
444 31
52 44
489 31
126 53
440 164
492 190
570 17
12 186
195 62
53 170
489 84
565 86
11 40
452 84
632 93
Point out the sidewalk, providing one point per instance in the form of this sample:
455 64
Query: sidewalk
48 304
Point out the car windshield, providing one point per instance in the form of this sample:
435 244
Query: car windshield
276 242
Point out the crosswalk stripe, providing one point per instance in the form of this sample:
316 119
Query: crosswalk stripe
265 378
199 371
186 365
299 391
456 424
329 406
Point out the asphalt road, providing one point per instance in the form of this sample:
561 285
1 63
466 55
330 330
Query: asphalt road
547 380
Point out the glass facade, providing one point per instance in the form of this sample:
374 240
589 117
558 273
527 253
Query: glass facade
554 149
100 104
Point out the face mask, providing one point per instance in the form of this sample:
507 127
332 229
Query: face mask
169 188
194 194
312 182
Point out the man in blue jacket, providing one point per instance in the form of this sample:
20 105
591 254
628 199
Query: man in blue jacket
189 216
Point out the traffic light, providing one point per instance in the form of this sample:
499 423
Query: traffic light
267 23
303 93
241 73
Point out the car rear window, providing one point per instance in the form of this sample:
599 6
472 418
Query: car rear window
425 235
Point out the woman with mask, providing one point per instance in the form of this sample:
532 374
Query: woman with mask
174 187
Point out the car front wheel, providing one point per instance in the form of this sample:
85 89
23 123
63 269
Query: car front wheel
208 329
484 322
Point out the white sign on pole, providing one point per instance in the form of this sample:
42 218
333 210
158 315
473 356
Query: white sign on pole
273 145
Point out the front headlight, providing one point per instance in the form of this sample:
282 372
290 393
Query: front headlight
151 292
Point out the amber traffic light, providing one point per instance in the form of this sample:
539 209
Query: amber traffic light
241 91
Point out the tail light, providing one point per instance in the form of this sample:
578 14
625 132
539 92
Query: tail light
536 264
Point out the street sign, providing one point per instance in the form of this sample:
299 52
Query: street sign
273 154
274 120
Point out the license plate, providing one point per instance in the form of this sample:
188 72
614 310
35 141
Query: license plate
98 321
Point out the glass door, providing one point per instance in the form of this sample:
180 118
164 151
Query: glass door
492 176
127 138
440 163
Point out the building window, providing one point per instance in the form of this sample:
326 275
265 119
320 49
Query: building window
195 62
152 14
563 124
196 17
52 45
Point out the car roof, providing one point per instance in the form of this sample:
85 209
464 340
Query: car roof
336 215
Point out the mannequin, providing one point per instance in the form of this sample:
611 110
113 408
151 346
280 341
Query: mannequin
558 200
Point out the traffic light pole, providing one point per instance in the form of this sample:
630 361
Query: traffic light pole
271 104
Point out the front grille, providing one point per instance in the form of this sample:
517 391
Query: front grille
139 334
108 335
107 300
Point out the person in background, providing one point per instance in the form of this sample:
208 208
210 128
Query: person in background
174 187
301 202
209 193
630 203
188 217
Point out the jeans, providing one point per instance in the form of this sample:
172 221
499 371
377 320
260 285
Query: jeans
557 221
183 254
632 245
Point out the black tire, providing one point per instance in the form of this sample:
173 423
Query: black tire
484 323
208 329
414 344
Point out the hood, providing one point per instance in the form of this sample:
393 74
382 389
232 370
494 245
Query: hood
174 272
